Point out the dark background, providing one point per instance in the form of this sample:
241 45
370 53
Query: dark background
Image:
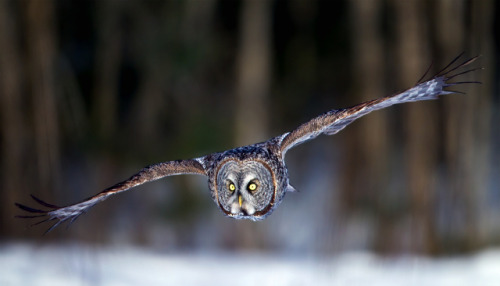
92 91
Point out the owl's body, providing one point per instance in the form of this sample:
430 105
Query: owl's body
250 182
261 164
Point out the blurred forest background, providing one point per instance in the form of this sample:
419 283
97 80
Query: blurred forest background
92 91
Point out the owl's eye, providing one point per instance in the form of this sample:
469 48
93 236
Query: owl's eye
232 187
252 187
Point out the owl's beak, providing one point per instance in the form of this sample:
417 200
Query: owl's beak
241 208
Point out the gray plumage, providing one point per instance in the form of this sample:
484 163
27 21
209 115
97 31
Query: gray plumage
250 182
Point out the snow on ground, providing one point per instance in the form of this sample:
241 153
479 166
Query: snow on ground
27 264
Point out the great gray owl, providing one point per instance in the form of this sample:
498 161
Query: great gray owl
250 182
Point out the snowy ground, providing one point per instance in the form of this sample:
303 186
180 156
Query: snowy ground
26 264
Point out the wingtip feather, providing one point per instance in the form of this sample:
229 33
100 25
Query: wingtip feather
29 209
44 203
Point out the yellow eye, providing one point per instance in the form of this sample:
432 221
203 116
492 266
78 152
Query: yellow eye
232 187
252 187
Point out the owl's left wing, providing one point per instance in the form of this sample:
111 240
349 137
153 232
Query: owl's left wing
333 121
150 173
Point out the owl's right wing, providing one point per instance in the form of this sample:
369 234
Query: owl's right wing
150 173
333 121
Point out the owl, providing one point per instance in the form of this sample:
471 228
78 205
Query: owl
250 182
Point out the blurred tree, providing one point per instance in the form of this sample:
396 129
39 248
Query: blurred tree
253 73
13 128
108 57
41 54
483 24
370 140
452 23
467 132
420 130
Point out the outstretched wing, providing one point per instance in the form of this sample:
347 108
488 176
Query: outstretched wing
153 172
333 121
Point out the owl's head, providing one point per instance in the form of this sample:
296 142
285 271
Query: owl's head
245 189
